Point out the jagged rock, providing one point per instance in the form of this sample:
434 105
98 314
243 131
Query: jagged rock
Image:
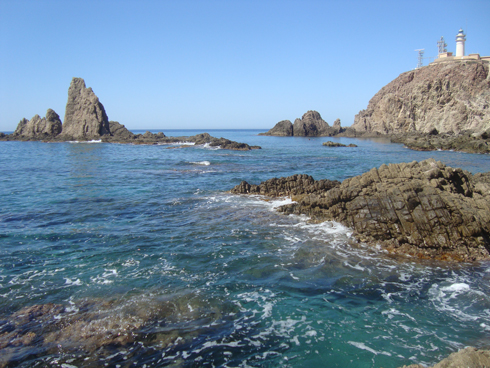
119 131
448 97
310 125
282 129
85 116
293 186
337 144
426 209
337 125
464 142
465 358
39 128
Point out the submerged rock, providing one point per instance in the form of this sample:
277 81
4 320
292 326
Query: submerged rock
337 144
426 209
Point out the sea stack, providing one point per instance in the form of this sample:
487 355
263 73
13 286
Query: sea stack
85 116
311 124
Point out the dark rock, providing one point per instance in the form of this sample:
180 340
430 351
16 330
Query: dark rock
337 144
85 116
426 209
282 129
470 143
294 186
310 125
39 128
119 131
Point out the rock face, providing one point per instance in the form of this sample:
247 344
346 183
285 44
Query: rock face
426 209
39 128
310 125
85 116
449 97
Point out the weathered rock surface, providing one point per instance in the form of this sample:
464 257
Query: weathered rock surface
337 144
466 358
426 209
39 128
449 97
310 125
464 142
85 116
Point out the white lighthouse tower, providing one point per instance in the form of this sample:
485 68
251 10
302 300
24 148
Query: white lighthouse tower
460 39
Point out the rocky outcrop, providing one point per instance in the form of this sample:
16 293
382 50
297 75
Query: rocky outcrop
86 119
310 125
85 116
450 97
282 129
337 144
464 142
426 209
465 358
39 128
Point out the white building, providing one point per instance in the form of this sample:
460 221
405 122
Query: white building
460 52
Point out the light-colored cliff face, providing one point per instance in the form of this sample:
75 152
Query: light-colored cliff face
449 97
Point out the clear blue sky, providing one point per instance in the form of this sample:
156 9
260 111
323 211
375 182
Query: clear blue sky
220 64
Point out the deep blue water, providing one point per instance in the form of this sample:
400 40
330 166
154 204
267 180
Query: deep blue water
146 239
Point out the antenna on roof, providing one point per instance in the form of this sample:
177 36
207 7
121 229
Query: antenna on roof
441 44
420 63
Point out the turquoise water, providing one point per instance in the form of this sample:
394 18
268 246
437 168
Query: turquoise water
146 239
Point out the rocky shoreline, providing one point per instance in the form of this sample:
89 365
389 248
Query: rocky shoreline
422 209
86 120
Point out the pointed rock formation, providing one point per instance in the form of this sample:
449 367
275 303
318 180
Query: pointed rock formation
310 125
39 128
85 116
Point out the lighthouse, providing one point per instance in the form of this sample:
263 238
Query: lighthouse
460 39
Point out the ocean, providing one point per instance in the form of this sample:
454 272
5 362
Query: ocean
124 255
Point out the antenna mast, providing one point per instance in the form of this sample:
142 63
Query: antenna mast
420 58
442 45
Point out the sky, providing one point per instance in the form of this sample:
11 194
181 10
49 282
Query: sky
216 64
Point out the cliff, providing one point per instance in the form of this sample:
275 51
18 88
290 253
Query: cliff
449 97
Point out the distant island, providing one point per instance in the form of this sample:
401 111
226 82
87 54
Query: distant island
86 120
